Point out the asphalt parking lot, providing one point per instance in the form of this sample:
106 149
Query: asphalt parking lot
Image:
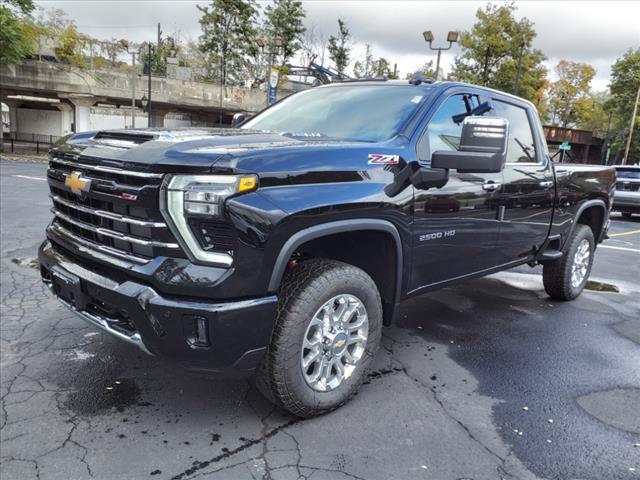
487 380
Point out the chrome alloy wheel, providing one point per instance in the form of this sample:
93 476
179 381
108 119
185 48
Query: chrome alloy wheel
334 342
580 263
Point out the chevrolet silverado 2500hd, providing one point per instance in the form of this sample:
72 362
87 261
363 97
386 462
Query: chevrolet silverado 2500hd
282 247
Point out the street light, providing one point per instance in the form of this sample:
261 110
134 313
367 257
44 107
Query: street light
278 42
452 37
144 101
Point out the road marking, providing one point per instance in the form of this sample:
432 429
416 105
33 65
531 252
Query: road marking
624 233
30 178
620 248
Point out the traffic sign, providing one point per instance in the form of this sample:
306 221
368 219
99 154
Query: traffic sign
565 145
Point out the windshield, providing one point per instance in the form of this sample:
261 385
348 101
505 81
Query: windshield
369 113
630 173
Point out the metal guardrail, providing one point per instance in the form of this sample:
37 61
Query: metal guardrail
38 139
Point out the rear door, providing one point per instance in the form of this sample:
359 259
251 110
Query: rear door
528 191
455 227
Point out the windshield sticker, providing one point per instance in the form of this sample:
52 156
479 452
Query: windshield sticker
380 159
416 99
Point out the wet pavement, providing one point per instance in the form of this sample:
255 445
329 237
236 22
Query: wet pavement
486 380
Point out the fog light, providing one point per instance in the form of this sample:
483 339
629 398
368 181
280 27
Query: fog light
197 331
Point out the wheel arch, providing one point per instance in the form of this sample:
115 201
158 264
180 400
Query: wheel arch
592 213
381 229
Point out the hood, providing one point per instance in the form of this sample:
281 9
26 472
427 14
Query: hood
219 150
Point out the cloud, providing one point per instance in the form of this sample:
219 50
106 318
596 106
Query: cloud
593 32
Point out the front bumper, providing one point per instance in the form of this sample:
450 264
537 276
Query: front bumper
237 332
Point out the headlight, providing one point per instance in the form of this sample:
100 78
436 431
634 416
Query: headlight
192 201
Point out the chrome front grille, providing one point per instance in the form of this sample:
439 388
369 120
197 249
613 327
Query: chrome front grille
119 215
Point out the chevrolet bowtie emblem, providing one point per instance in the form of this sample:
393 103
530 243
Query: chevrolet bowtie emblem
77 184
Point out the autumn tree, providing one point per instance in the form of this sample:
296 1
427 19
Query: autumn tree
339 48
284 18
228 37
490 52
570 100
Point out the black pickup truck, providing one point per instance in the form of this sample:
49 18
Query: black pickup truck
281 247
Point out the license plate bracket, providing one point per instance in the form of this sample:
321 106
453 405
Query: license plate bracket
68 287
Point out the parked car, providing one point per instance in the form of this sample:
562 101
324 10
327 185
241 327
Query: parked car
627 196
280 249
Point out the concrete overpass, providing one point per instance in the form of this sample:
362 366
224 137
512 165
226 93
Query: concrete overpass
70 96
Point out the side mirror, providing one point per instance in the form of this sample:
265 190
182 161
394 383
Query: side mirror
237 119
483 147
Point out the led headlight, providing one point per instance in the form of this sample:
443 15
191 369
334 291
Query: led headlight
191 199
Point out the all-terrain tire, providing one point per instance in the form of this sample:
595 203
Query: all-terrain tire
557 275
304 290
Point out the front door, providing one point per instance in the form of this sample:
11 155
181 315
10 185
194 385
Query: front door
456 226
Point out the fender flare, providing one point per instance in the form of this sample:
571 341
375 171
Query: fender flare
331 228
583 206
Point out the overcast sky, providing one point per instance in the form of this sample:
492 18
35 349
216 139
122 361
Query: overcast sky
593 32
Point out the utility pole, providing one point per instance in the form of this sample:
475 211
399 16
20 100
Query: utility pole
133 89
149 116
519 70
632 124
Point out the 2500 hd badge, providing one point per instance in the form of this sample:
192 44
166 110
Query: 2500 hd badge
434 236
258 251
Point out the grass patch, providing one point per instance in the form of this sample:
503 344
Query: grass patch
601 287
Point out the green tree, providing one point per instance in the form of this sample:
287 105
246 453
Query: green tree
491 50
426 70
625 81
228 37
339 48
598 119
284 18
16 39
365 68
570 101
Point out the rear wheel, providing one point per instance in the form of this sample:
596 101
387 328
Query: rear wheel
564 279
328 331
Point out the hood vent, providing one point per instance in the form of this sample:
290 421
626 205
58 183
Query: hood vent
123 138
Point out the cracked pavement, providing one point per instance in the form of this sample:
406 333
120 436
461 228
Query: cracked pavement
446 398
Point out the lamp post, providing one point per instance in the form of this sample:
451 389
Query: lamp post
277 42
452 37
519 70
144 101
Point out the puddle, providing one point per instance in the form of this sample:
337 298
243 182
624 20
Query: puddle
27 262
601 287
97 386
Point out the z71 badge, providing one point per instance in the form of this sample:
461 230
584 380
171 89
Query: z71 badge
381 159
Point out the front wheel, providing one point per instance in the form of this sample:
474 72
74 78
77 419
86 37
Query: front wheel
326 335
564 279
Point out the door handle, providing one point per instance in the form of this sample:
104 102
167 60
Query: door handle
491 186
546 184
